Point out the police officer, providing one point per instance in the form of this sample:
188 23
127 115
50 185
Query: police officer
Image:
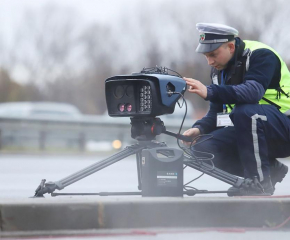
249 108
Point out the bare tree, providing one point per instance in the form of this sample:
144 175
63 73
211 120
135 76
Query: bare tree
44 45
68 61
11 91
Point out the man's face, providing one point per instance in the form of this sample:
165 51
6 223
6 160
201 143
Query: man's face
220 57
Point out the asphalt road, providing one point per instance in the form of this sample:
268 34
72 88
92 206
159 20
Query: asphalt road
21 174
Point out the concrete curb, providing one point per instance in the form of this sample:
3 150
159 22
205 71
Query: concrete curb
55 214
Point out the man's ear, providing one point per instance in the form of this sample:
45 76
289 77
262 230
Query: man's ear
232 47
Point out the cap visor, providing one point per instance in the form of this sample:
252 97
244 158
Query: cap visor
207 47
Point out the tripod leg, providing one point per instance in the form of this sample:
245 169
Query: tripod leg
49 187
215 172
139 167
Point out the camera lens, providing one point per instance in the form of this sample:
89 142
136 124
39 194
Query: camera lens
119 91
130 91
129 107
121 107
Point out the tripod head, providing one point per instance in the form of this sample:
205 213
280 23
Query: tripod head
146 129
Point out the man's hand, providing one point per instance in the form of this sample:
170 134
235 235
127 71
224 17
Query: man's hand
196 86
192 132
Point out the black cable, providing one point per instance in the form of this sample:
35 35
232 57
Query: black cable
191 155
183 119
181 125
202 158
193 180
199 160
194 143
191 144
202 135
174 72
159 70
189 188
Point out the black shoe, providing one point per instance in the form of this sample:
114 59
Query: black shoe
253 188
277 172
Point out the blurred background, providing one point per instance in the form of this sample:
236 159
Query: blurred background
56 55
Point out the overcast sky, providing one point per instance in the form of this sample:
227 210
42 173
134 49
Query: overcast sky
89 10
11 11
248 14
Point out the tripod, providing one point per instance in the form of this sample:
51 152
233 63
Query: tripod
144 131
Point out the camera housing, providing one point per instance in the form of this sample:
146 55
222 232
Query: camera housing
143 95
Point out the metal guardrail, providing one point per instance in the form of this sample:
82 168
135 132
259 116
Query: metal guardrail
73 134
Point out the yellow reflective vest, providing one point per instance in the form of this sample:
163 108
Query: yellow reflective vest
271 94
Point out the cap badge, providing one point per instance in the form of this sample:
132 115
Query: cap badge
202 37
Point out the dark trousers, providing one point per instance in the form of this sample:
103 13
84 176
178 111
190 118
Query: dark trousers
260 134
